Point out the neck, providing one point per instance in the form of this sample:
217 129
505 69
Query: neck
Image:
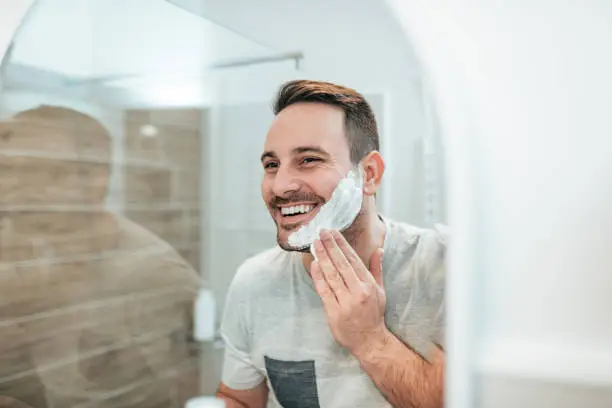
365 236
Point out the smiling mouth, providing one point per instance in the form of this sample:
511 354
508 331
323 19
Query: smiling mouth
297 214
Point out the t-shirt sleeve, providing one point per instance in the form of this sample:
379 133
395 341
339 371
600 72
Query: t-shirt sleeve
238 372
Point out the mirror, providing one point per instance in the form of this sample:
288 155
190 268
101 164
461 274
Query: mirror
131 181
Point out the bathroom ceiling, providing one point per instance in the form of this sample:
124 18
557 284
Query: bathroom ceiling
358 37
159 52
107 39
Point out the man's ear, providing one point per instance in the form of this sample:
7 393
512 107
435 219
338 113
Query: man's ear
374 167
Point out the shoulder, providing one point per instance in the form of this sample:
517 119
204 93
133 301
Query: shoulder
418 253
134 236
424 243
142 252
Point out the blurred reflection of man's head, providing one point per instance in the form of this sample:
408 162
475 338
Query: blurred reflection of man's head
53 155
54 173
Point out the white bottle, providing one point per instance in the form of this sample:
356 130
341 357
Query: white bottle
205 402
204 316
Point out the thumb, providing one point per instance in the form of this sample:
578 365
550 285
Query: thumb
376 266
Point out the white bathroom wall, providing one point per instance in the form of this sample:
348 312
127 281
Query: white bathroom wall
239 224
355 43
524 91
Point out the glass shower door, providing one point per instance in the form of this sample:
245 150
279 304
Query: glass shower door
105 124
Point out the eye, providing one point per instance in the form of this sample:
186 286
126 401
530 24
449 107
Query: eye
270 165
308 160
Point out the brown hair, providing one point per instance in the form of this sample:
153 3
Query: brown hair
359 122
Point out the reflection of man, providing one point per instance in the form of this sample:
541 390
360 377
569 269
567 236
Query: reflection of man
95 311
355 328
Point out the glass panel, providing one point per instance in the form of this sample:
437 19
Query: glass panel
105 112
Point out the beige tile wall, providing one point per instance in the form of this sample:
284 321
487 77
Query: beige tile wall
162 176
95 309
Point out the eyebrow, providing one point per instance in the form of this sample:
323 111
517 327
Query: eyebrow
298 150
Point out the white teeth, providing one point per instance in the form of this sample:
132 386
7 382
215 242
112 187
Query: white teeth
301 209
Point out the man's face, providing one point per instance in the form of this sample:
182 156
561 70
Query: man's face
305 155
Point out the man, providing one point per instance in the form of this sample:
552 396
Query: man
361 326
95 310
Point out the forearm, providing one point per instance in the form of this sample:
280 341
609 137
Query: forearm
252 398
402 376
230 402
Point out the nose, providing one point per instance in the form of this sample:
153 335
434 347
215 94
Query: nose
285 181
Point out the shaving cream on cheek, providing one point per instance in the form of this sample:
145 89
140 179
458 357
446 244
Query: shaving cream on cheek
338 213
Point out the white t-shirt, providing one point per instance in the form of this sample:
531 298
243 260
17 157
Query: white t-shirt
275 329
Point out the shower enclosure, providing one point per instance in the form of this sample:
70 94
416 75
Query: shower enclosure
117 120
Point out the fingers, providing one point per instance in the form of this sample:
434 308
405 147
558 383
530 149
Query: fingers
329 271
347 250
323 289
339 260
341 267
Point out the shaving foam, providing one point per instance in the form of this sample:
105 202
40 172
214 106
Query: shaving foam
338 213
